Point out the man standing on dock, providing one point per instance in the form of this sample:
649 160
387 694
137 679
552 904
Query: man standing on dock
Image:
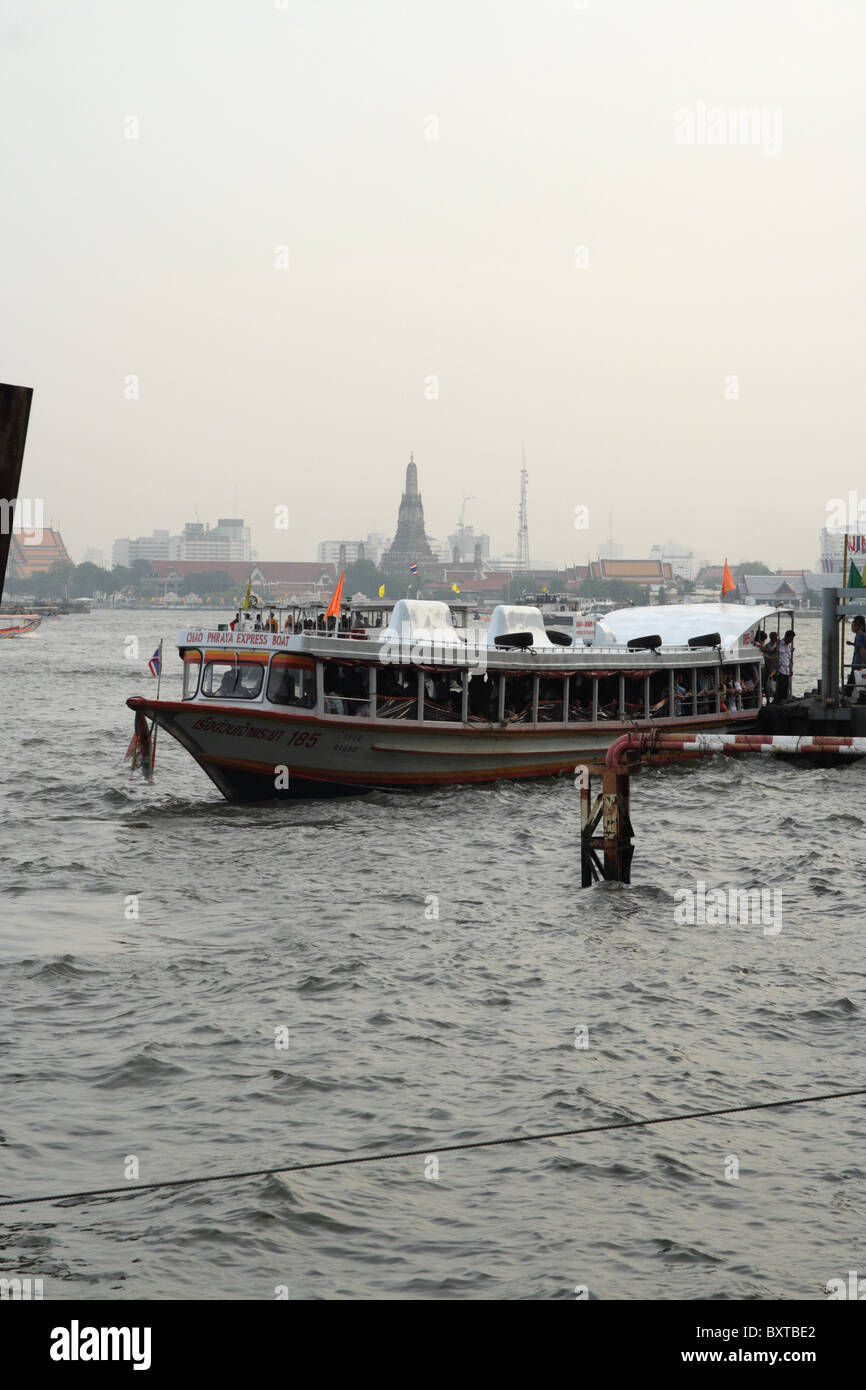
786 667
858 661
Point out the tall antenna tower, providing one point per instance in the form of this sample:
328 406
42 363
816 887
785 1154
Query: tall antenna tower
523 522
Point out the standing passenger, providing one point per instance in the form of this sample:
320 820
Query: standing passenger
858 661
786 668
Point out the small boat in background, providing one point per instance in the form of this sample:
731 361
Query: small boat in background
17 624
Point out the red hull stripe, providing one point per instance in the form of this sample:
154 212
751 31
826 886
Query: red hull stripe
403 779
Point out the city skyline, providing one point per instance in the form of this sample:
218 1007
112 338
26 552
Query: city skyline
283 286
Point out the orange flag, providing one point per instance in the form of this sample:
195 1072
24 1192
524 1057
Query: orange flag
727 581
334 605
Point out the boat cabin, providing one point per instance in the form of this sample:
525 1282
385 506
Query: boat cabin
416 662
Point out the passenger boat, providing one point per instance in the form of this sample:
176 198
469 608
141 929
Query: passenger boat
289 710
16 624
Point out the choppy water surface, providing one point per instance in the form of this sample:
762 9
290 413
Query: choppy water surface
156 1038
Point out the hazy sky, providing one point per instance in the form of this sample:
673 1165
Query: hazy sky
433 170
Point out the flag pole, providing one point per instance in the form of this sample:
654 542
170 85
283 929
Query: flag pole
153 735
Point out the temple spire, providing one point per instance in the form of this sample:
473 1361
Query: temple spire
410 544
411 476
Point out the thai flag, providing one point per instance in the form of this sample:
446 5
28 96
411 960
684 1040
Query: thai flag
155 663
413 568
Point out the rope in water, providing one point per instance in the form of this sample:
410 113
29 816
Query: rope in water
241 1175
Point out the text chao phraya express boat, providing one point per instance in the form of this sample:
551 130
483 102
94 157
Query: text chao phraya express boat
424 701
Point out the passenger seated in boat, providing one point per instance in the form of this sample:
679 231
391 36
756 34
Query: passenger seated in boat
437 698
749 686
550 700
706 692
397 692
681 694
580 698
608 697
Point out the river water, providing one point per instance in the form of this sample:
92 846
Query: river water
287 993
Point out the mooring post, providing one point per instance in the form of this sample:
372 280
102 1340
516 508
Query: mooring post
625 754
608 856
590 813
618 833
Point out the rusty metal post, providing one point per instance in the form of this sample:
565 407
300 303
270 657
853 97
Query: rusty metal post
590 813
625 753
14 416
618 833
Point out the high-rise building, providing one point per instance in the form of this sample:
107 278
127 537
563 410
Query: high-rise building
464 540
410 544
681 560
832 546
229 540
344 553
153 547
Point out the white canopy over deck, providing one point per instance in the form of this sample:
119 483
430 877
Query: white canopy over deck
676 623
421 620
510 619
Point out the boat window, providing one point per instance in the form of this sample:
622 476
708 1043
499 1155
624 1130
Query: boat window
608 697
292 681
735 691
634 701
443 695
484 698
551 690
751 685
707 687
347 689
397 692
683 702
518 699
660 695
191 669
227 679
579 698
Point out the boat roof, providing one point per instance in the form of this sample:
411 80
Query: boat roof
509 618
675 623
421 618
